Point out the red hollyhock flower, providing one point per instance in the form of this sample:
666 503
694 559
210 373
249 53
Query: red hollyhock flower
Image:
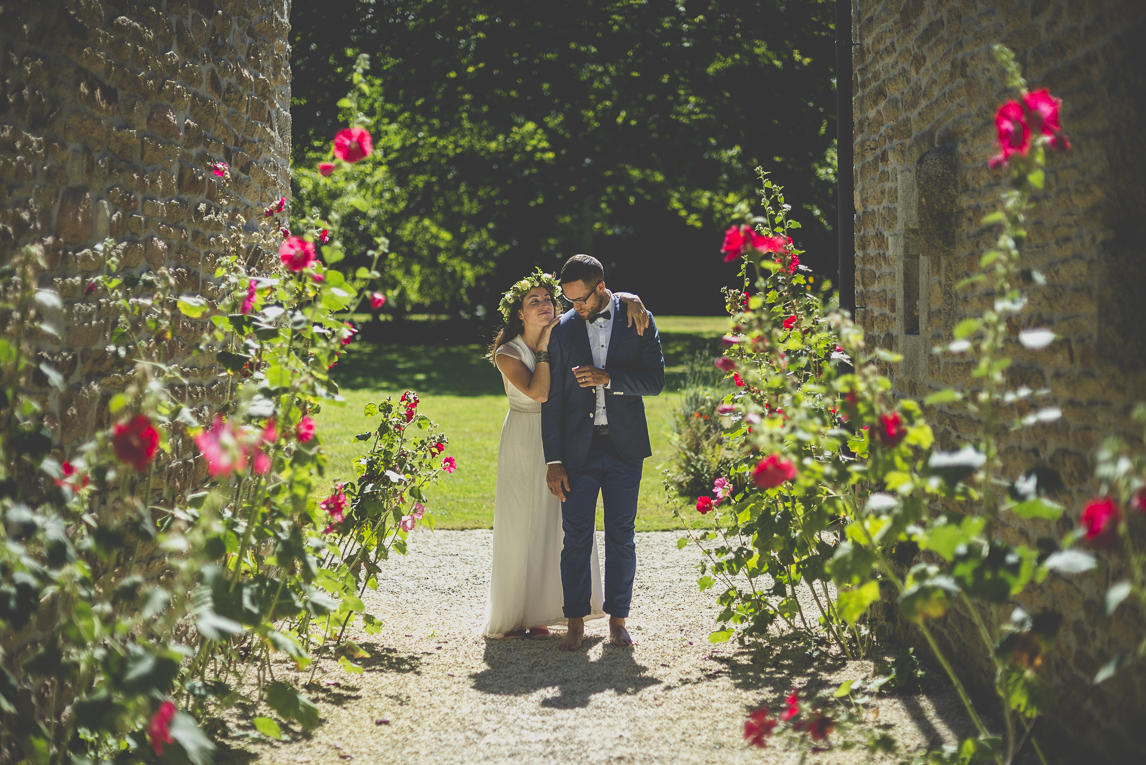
377 300
734 241
758 727
69 471
285 232
91 287
281 204
1042 109
135 442
159 728
297 254
703 504
353 144
818 727
324 237
736 378
440 447
304 431
892 431
725 364
348 335
325 168
790 322
219 169
1100 519
1013 131
772 244
335 505
793 706
772 471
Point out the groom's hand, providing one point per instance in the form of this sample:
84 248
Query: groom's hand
558 480
590 377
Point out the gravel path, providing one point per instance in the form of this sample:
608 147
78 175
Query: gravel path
434 691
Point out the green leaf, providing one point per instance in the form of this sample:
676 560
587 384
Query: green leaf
291 705
852 604
232 362
682 543
359 204
844 689
1036 177
1116 595
345 103
267 726
215 627
720 636
705 582
279 376
942 397
349 666
1038 508
996 217
199 749
967 327
192 306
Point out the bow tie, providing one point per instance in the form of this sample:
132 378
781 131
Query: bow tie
602 315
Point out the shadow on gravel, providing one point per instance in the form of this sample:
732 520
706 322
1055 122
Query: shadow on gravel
389 660
523 667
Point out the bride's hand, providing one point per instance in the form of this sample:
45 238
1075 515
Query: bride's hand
543 341
638 314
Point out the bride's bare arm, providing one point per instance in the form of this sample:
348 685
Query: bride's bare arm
534 384
637 312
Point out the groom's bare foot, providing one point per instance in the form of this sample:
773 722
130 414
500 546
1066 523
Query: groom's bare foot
618 635
574 636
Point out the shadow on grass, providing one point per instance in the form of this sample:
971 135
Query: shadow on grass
461 370
522 667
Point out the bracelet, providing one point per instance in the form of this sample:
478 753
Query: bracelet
543 357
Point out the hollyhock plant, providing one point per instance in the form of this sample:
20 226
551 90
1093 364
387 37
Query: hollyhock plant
703 504
353 144
407 523
136 441
297 254
1042 109
439 447
449 464
418 511
348 333
377 300
221 448
758 727
892 431
304 431
325 168
772 471
734 242
159 727
1014 133
1100 521
335 505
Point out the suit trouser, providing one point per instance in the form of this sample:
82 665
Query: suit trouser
618 481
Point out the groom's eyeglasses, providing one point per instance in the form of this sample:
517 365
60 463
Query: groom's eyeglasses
574 302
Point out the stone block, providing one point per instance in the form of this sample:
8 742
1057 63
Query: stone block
74 218
162 122
123 143
155 251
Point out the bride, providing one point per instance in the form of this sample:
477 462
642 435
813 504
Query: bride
525 596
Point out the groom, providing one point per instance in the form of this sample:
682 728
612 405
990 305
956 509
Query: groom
595 438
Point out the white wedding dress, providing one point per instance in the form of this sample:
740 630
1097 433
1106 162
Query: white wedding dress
525 584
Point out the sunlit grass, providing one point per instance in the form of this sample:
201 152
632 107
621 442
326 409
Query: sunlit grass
463 393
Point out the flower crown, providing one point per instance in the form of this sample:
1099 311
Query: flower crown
518 291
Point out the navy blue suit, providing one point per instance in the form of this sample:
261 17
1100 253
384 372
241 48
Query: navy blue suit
608 465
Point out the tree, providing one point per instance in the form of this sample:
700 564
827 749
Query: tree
518 136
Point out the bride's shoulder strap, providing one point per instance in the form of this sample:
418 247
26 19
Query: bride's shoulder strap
509 349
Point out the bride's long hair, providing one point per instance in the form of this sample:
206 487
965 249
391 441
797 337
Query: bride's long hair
513 325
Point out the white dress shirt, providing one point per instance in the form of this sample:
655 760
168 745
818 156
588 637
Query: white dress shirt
600 330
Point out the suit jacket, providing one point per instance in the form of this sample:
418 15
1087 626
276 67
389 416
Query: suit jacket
636 369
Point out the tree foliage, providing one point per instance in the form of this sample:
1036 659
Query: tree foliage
517 135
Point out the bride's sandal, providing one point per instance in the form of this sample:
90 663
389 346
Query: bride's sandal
539 632
515 634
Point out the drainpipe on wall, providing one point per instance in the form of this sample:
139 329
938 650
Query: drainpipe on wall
845 174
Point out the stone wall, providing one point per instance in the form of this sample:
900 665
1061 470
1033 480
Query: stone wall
926 90
112 113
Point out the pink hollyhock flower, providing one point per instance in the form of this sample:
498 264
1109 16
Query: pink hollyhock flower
1042 109
703 504
790 322
772 244
353 144
758 727
792 703
219 169
348 334
335 504
221 448
285 232
418 511
136 441
304 431
249 303
449 464
892 431
92 285
377 300
71 470
721 488
734 241
1013 132
407 523
270 432
159 727
325 168
726 409
281 204
1100 520
261 463
324 237
736 378
725 364
297 254
318 278
793 260
772 471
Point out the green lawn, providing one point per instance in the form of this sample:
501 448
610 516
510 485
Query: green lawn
463 393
